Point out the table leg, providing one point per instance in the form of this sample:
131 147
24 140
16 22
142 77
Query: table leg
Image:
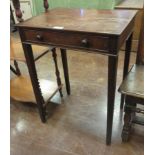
34 79
126 63
57 70
17 68
112 75
65 67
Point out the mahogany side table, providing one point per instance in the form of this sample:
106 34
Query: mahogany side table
98 31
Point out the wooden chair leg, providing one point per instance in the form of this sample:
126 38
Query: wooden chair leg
13 70
17 68
128 118
57 71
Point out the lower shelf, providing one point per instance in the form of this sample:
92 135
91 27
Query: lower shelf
16 52
21 89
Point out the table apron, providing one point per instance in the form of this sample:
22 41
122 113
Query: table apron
69 40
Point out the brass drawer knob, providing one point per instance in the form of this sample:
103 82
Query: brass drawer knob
39 37
85 42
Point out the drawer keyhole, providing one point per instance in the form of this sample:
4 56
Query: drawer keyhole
85 42
39 37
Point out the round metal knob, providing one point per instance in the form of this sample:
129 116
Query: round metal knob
39 37
84 42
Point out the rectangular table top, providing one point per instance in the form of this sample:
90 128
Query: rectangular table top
112 22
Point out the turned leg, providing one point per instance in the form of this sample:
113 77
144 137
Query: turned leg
57 71
16 4
46 5
128 118
13 20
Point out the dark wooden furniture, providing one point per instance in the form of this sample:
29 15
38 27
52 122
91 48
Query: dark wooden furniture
21 86
99 31
17 55
133 89
12 21
133 5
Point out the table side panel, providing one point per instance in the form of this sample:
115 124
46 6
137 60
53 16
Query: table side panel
126 33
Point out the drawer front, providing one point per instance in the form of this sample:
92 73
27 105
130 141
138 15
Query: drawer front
67 39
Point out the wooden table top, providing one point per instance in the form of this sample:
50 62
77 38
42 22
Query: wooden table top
111 22
130 4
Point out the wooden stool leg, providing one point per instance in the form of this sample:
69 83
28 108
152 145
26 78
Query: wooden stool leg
17 68
57 71
128 118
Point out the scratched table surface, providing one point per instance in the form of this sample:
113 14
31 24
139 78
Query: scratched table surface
98 21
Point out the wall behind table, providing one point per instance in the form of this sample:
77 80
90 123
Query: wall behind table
94 4
118 1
